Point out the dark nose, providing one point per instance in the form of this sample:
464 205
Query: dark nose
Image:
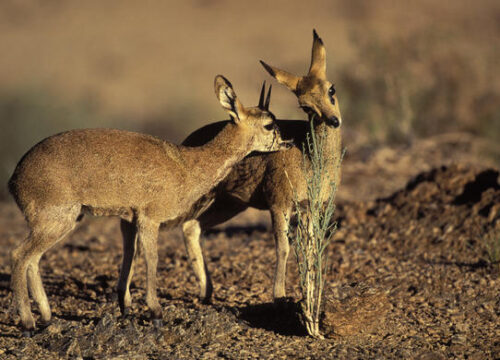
334 121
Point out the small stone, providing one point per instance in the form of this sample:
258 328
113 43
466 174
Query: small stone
53 329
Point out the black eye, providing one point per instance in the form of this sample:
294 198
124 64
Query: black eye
269 126
331 91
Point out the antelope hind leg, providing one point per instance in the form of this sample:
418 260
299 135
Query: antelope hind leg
48 228
147 232
129 234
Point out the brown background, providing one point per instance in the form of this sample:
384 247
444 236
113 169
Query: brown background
403 69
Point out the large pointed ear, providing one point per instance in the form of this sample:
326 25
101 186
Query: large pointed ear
283 77
318 58
227 98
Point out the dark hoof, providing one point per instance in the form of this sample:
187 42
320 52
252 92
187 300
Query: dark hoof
28 333
125 312
205 295
206 300
127 315
44 324
158 323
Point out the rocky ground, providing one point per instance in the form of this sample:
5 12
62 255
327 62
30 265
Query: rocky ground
411 274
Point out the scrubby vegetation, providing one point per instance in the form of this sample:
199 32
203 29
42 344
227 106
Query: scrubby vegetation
492 244
315 228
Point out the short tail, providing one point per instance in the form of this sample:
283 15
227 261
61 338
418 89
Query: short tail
12 186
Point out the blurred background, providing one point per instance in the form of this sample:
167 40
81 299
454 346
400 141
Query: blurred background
403 70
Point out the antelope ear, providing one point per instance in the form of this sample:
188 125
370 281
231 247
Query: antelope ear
318 58
283 77
227 98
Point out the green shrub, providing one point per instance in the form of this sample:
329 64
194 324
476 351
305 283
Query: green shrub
492 245
315 229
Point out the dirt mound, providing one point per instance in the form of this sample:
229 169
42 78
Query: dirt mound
413 268
440 214
369 173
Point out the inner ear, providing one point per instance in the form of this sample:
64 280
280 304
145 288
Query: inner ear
228 99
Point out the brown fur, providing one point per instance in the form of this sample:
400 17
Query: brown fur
263 181
144 180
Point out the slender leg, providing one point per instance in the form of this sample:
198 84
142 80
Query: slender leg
49 228
19 283
37 291
147 231
129 233
280 229
220 211
191 230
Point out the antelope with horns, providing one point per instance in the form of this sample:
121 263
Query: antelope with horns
143 180
261 181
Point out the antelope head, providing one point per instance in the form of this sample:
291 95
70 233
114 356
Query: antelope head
258 123
316 95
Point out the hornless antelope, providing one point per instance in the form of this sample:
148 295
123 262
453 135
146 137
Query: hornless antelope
143 180
261 181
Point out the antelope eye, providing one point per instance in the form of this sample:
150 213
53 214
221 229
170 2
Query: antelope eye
331 91
267 115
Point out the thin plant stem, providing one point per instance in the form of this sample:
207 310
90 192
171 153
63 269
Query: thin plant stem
315 228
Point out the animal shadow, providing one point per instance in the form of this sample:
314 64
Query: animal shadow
237 230
283 319
4 281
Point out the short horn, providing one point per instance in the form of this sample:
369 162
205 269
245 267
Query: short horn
262 93
268 98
